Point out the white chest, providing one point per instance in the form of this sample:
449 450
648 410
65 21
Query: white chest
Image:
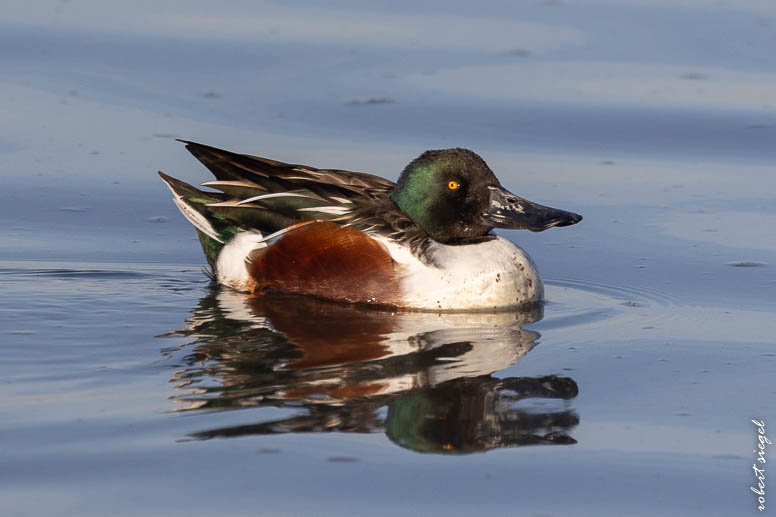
489 275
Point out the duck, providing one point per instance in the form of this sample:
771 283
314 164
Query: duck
424 242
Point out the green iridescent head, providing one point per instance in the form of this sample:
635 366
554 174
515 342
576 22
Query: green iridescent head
456 199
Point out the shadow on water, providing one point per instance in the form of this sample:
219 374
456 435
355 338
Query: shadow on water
424 379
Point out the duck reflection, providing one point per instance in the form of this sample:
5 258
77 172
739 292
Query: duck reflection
424 379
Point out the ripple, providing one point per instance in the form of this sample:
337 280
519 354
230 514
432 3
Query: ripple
574 302
76 274
747 263
627 294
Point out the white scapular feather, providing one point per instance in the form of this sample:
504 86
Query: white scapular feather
336 210
267 196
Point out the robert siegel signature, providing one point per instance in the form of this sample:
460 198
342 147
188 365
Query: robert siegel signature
759 473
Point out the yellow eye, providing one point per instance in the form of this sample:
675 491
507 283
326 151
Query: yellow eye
453 185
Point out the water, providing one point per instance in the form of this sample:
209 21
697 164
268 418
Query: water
131 386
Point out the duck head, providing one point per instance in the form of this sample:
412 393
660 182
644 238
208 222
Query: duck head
456 199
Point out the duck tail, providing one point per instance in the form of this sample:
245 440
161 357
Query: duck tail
213 229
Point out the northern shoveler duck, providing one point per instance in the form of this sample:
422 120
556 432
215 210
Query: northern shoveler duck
424 242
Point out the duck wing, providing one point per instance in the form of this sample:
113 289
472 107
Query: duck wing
268 195
297 191
262 194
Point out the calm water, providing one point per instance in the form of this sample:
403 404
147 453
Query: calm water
131 386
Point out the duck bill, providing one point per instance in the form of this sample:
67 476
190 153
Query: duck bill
507 210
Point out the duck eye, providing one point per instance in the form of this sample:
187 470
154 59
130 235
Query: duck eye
453 185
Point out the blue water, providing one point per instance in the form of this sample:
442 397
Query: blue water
131 386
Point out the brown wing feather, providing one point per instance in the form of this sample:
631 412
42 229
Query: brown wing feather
327 260
228 166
